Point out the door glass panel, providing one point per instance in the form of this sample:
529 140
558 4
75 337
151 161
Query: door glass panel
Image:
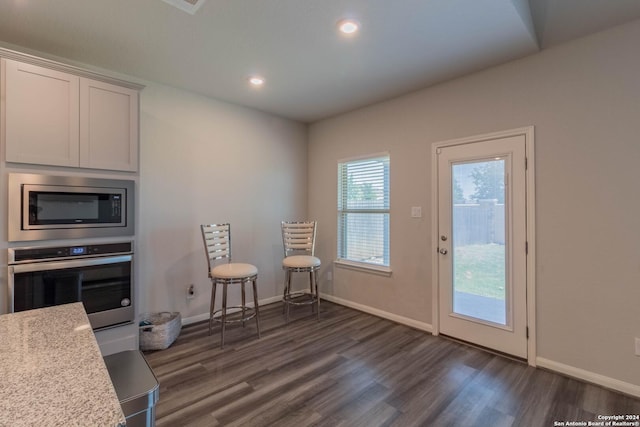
479 273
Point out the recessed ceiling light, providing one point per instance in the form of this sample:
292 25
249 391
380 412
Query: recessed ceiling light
348 26
256 81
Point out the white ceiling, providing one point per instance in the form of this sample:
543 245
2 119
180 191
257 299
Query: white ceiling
311 71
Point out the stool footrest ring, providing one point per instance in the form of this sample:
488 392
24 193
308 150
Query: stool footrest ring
299 298
250 313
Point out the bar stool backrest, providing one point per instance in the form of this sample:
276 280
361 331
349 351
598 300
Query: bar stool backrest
217 242
298 237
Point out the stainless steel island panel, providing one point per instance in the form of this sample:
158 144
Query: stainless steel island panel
136 386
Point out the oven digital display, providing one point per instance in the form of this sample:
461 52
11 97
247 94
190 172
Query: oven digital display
78 250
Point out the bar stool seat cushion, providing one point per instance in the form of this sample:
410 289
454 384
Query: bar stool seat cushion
300 261
234 270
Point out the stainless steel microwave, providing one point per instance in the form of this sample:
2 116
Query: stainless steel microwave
43 207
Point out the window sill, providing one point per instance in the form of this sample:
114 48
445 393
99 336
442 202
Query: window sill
367 268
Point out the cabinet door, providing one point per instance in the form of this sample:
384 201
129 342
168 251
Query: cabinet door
108 126
41 115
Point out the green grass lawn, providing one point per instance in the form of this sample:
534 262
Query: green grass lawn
480 270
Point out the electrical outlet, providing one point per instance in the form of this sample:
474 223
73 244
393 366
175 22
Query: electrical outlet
416 212
191 291
637 346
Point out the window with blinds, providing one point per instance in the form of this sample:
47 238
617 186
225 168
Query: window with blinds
363 211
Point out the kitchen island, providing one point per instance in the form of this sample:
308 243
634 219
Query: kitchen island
52 372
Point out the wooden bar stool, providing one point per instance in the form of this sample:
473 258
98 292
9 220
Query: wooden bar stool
217 244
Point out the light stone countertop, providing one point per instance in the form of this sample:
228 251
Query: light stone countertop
52 372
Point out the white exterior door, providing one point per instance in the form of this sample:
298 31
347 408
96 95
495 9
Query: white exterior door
482 238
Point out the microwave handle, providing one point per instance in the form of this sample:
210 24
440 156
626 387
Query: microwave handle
74 263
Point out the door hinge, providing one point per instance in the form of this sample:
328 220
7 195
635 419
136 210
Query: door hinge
526 248
527 332
526 163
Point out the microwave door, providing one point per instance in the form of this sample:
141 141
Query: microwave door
43 207
60 207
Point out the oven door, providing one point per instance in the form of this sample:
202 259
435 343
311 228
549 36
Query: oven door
103 285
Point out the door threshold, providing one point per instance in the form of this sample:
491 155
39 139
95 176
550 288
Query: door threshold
486 349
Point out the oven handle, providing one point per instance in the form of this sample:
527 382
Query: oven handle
59 265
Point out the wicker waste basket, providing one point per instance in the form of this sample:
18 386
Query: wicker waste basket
159 330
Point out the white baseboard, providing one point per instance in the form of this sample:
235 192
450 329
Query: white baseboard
581 374
380 313
194 319
360 307
204 316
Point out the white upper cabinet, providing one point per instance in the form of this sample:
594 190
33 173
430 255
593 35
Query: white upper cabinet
108 126
41 115
61 119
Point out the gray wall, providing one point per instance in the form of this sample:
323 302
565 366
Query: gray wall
205 161
584 100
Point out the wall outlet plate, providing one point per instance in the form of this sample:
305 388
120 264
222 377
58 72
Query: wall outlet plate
416 212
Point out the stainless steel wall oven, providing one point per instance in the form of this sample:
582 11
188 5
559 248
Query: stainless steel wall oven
43 207
100 276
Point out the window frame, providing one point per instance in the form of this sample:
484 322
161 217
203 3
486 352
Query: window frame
342 192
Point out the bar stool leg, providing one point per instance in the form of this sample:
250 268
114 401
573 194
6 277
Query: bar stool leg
284 293
224 314
288 295
255 305
244 302
213 304
311 292
317 294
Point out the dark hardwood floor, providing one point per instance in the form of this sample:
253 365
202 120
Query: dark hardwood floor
354 369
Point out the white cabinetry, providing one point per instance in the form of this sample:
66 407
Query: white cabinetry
108 126
56 118
42 115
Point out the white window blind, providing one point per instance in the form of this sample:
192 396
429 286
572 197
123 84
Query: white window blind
363 211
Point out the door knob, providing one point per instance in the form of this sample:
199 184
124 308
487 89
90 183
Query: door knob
443 251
